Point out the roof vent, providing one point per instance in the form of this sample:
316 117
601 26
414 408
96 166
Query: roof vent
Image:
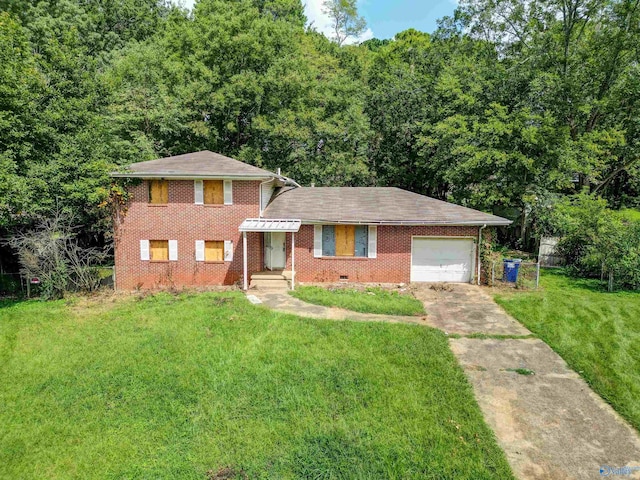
278 171
313 185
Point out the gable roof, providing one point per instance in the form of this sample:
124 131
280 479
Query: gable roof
375 205
194 165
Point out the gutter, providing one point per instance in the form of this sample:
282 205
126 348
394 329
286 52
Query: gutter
289 181
479 242
194 176
470 223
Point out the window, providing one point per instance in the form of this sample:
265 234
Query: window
212 192
158 192
214 251
159 250
345 241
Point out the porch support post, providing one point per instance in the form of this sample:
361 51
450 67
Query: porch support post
293 260
244 261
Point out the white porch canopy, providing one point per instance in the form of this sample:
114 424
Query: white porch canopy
269 225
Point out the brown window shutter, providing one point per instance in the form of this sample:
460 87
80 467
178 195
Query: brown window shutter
213 192
345 240
213 251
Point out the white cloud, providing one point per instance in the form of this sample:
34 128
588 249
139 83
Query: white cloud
321 22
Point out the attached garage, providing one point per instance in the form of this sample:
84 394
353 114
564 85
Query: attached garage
442 259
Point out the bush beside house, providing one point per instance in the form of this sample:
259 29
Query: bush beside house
597 241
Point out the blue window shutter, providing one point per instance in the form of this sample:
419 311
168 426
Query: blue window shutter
362 240
328 241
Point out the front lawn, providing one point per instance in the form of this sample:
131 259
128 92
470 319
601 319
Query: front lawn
175 386
371 300
596 332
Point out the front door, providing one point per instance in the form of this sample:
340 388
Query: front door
275 250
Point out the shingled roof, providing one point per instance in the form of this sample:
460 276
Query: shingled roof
376 205
194 165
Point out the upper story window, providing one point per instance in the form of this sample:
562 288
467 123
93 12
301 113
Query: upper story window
213 192
158 192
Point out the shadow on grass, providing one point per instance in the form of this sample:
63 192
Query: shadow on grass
564 276
11 301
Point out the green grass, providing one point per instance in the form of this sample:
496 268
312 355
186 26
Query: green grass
521 371
372 300
174 386
596 332
630 214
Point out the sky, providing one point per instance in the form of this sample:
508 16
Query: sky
384 18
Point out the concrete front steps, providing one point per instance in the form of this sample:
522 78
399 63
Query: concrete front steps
271 280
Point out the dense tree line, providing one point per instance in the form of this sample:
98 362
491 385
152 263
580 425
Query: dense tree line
509 106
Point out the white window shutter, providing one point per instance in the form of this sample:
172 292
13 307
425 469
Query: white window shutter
173 250
373 241
144 250
228 192
199 250
317 241
198 192
228 250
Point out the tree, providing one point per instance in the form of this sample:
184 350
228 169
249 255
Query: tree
238 80
576 60
345 21
20 86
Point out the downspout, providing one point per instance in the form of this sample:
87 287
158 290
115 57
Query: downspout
479 246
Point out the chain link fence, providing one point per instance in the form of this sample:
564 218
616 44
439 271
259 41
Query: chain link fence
528 275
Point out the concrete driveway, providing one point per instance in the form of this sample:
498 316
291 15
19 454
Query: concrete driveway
548 421
465 309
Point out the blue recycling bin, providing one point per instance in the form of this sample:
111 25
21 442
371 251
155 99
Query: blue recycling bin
511 268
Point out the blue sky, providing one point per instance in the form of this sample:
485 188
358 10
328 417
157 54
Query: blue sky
384 18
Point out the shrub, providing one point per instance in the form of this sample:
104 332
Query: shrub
52 253
595 239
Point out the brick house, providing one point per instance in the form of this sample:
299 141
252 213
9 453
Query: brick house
206 219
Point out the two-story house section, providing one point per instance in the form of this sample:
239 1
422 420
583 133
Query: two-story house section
205 219
180 226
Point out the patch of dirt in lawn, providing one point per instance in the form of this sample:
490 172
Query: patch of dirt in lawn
88 304
226 473
400 288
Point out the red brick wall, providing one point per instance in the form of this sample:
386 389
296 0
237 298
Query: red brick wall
185 222
392 265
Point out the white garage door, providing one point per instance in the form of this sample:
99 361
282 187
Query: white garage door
441 260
